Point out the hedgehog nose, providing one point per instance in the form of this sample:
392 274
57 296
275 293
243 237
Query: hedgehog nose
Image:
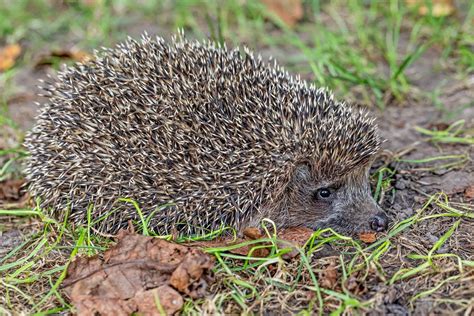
379 222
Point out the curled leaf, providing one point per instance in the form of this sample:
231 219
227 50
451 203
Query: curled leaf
8 56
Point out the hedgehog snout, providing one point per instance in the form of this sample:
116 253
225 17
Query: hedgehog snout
360 213
379 222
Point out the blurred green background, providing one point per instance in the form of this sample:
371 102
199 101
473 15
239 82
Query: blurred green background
368 51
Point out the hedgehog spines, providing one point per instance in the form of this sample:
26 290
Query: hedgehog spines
210 130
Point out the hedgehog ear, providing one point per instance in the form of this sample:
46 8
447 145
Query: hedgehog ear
302 172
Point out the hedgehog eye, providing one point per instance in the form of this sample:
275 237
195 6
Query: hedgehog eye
323 193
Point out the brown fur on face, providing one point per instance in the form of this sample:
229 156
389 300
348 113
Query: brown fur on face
349 208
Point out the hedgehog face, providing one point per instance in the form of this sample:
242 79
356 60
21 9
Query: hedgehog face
344 204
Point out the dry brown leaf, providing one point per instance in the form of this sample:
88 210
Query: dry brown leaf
438 8
294 238
10 190
11 51
328 277
187 278
6 63
139 274
355 286
368 237
469 193
291 238
74 54
8 55
252 233
297 235
169 299
225 242
81 56
247 251
289 11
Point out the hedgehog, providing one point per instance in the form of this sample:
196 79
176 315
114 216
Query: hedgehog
199 137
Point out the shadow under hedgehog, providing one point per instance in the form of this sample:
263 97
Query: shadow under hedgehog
201 137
